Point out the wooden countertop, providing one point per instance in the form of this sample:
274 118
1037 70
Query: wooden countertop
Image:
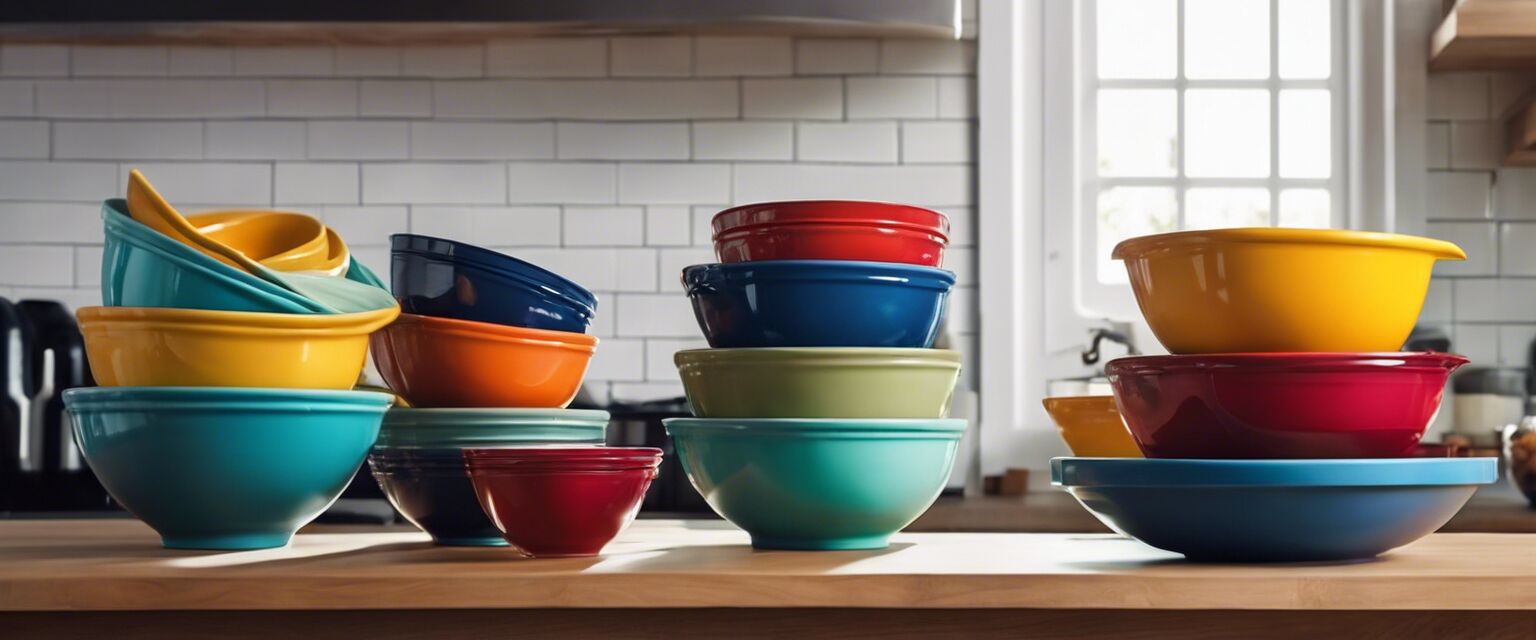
118 565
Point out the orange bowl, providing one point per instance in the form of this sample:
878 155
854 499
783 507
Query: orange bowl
443 362
1092 427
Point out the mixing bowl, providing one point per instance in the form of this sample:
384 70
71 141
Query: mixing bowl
824 382
1091 426
1280 405
442 362
1281 290
431 488
562 501
831 230
413 428
817 484
212 468
449 279
281 240
817 303
1274 510
155 347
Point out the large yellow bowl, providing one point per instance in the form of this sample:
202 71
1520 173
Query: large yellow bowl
1267 290
155 347
1092 427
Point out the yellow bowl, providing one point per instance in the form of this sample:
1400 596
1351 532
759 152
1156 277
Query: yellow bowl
155 347
281 240
1092 427
1268 290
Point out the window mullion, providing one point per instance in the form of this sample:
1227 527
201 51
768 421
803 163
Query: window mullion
1274 113
1180 85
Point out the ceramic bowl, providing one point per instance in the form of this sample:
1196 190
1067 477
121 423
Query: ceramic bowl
280 240
414 428
431 488
817 303
155 347
817 484
221 468
1274 510
1266 290
825 382
442 362
562 501
141 267
1091 426
831 230
1280 405
449 279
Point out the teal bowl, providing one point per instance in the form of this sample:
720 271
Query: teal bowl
225 468
407 428
817 484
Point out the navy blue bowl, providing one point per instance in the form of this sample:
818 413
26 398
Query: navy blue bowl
1274 510
432 489
449 279
818 303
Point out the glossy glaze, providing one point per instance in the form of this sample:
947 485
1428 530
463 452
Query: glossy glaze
1278 405
449 279
432 489
1274 510
817 484
817 303
441 362
831 230
822 382
155 347
1091 426
281 240
1281 290
225 468
406 428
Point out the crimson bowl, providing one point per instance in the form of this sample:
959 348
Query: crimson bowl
831 230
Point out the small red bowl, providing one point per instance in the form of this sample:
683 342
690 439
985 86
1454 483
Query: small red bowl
831 230
561 501
1280 405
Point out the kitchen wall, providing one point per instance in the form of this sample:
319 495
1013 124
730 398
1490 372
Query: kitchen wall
600 158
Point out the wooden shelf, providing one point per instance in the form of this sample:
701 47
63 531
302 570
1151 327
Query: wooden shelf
1485 35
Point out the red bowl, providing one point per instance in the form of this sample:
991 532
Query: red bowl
561 501
831 230
1280 405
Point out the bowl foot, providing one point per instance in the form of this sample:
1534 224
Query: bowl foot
822 544
497 541
228 542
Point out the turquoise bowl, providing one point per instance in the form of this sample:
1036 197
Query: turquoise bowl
225 468
461 428
817 484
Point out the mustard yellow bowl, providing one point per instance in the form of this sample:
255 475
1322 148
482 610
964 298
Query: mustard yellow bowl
1092 427
157 347
1268 290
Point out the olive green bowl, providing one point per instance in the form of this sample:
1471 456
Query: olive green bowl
819 382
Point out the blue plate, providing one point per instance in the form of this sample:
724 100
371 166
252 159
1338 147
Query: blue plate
818 303
1274 510
449 279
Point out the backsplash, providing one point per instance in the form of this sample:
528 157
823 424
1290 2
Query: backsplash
600 158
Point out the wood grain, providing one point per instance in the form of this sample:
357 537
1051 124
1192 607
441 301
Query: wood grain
1484 35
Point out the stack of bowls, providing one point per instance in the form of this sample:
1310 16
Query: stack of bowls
821 403
489 352
1282 426
226 417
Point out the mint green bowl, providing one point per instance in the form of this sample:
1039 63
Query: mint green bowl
409 428
819 382
817 484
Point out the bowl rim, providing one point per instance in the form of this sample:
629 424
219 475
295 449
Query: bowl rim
237 322
583 342
1142 246
880 272
487 259
1351 472
815 426
196 398
820 356
448 417
780 212
1375 361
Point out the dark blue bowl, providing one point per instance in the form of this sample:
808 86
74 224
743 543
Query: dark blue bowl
448 279
432 489
818 303
1274 510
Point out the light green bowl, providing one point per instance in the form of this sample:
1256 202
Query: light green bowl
819 382
407 428
817 484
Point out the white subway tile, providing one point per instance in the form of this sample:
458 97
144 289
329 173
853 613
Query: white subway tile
206 182
646 183
58 181
674 260
1478 239
940 141
604 226
1517 249
312 98
1479 343
359 140
23 139
808 98
1515 345
395 98
962 225
1475 145
128 140
466 61
962 261
915 184
743 56
201 61
284 61
34 60
37 266
1457 194
1438 303
743 140
667 226
71 297
435 183
482 140
371 62
119 61
623 141
496 226
255 140
1437 145
644 391
957 97
595 269
703 232
651 56
1457 96
152 99
366 226
846 141
375 258
654 315
961 313
836 56
1506 88
1495 300
547 58
618 359
88 266
74 99
659 353
561 183
928 57
316 183
637 269
15 98
50 222
1514 194
587 99
892 98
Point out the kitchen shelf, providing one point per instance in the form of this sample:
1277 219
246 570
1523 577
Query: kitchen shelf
1485 35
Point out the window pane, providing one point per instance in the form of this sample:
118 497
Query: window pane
1226 38
1227 132
1305 208
1212 208
1305 40
1305 133
1127 212
1138 131
1137 38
